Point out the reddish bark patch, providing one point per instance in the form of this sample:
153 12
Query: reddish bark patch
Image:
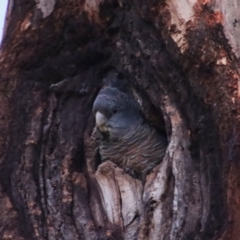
214 18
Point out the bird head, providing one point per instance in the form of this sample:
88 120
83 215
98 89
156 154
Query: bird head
116 113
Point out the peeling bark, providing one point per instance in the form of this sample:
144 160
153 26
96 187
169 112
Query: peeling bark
180 59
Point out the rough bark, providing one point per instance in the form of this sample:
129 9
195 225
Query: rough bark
181 61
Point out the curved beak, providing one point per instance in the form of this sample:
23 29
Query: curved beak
100 119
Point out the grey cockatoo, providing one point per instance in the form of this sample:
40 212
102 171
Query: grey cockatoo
126 138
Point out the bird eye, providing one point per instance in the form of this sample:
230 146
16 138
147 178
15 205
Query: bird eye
115 110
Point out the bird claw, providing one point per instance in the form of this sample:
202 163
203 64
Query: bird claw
130 171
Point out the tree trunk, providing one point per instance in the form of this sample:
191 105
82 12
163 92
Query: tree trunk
180 59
